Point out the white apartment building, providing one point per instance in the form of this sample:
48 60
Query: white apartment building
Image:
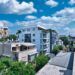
19 51
43 38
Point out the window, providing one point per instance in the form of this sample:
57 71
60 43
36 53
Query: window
40 46
33 29
13 48
44 40
33 40
33 34
44 46
44 35
28 29
23 30
27 37
23 48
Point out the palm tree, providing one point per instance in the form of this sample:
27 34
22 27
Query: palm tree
17 33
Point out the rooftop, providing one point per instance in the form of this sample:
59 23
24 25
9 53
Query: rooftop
62 64
20 43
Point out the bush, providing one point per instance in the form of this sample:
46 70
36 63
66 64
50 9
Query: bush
29 69
8 67
60 47
20 68
55 49
41 60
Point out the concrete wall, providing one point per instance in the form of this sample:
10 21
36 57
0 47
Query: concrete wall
23 55
5 49
74 65
1 49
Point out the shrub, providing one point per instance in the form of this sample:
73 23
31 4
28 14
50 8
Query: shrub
55 49
8 67
29 69
41 60
60 47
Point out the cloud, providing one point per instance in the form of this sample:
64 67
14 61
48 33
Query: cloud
72 2
70 31
68 16
58 21
3 1
51 3
14 7
65 11
30 17
46 21
54 21
4 23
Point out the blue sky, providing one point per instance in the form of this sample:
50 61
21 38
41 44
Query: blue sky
55 14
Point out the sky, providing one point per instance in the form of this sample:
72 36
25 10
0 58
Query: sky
55 14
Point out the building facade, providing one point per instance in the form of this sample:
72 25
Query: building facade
3 31
43 38
19 51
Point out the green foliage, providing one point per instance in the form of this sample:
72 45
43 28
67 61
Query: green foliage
18 32
71 43
10 37
14 37
10 67
41 60
6 61
42 52
55 49
65 40
71 46
60 47
2 66
3 39
29 69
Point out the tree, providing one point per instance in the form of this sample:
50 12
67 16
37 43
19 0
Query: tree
10 67
41 60
5 64
20 68
17 33
13 36
60 47
29 69
3 39
55 49
65 40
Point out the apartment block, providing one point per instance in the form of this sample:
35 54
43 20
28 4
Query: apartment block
42 37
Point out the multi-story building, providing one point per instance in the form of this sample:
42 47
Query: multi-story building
43 38
19 51
3 31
